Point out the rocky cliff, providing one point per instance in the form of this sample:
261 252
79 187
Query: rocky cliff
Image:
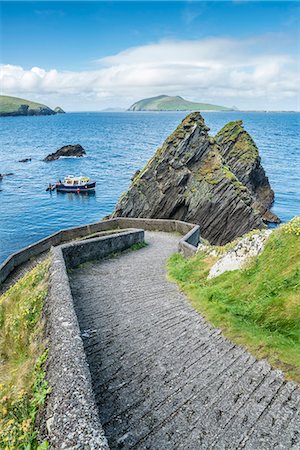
191 178
240 153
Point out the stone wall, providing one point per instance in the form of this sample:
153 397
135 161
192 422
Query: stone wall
71 415
187 245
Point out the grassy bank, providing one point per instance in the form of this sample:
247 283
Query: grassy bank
258 307
23 387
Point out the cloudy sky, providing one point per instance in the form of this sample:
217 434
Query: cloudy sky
95 55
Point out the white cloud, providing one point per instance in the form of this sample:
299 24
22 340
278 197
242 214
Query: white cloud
219 70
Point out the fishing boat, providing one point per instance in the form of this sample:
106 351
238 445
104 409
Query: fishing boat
73 184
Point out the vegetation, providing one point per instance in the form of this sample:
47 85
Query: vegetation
23 352
258 307
169 103
19 106
242 144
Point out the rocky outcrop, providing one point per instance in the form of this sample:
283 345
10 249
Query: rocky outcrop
237 257
189 179
25 110
59 110
241 155
74 151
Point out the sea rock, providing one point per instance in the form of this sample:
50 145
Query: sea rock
59 110
240 153
25 160
2 175
189 179
75 151
237 257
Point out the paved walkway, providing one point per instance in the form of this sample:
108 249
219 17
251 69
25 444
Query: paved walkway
164 379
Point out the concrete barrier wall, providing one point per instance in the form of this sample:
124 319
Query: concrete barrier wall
72 419
187 245
77 253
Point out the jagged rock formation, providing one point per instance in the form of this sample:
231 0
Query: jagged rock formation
75 151
241 155
189 179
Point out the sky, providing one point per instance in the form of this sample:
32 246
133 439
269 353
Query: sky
87 56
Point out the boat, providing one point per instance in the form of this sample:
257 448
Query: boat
73 184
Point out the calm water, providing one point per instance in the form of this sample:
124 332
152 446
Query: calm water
117 144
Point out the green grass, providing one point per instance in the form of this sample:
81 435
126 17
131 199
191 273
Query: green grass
12 104
258 307
169 103
23 352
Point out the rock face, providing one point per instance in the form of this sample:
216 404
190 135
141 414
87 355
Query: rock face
189 179
241 155
240 254
59 110
75 151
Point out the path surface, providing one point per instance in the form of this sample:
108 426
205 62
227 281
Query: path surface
164 379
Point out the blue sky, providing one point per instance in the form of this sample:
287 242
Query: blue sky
86 47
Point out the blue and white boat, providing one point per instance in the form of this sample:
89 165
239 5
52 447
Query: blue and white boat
74 184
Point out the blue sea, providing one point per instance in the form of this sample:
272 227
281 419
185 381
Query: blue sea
117 144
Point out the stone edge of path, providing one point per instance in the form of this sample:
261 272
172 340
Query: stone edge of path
71 417
187 245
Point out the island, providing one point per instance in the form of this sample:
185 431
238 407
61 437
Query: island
176 103
15 106
68 151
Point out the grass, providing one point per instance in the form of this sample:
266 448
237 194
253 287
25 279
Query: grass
258 307
11 104
23 352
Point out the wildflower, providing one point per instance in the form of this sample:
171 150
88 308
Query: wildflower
25 425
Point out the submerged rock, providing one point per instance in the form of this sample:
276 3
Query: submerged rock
5 175
75 151
190 179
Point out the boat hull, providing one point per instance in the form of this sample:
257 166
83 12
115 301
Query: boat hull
78 189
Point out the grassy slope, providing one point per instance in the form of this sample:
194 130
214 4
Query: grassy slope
11 104
22 354
167 103
258 307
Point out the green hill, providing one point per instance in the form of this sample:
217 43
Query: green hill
168 103
14 106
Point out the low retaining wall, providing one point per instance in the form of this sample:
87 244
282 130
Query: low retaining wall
72 419
187 244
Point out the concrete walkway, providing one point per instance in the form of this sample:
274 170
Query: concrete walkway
163 378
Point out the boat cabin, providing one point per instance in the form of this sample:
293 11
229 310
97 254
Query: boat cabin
70 180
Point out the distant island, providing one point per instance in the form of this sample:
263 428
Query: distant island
176 103
14 106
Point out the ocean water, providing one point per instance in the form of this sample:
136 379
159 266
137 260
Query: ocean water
117 144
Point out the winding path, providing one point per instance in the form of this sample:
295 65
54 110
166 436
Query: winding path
163 378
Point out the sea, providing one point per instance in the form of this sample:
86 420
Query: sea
116 144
